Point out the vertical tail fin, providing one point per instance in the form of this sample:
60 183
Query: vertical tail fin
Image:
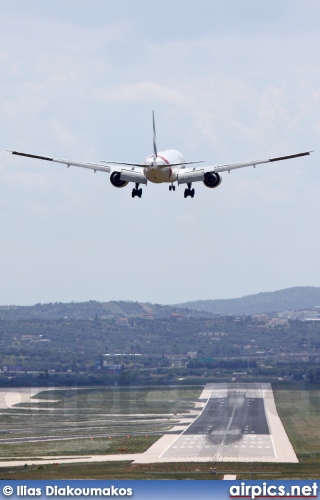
154 137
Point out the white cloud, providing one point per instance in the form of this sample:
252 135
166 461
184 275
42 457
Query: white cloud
142 92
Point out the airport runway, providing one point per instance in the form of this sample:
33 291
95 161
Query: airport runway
232 425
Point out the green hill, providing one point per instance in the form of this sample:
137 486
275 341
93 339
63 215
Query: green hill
296 298
91 310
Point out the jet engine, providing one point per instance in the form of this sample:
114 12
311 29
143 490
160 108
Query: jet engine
116 180
212 179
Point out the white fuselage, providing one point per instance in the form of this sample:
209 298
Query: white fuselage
156 170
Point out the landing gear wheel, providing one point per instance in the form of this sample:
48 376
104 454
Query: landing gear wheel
136 191
170 187
173 188
189 192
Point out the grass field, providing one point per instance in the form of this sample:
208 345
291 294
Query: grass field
127 470
121 401
95 446
81 421
299 409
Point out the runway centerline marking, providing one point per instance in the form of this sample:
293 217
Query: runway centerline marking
232 425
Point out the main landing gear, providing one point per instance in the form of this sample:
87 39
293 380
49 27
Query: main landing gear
172 188
136 191
189 191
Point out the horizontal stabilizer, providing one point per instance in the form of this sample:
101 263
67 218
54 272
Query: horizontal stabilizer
144 165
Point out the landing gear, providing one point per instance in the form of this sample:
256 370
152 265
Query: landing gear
136 191
172 188
189 191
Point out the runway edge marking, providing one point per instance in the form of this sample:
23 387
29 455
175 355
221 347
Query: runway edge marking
168 447
282 442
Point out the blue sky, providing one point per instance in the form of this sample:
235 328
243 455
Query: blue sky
229 81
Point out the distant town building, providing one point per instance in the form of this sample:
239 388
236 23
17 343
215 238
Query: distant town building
177 317
303 315
112 367
122 321
123 354
278 322
237 376
26 338
177 360
39 340
261 318
147 316
192 354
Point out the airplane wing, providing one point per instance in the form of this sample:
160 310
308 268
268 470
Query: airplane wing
232 166
92 166
195 175
125 174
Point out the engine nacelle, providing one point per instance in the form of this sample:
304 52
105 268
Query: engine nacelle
212 179
116 180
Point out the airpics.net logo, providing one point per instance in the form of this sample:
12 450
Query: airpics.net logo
266 490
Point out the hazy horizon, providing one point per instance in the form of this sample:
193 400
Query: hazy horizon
163 304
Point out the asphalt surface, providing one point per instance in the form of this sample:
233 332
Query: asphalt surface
232 424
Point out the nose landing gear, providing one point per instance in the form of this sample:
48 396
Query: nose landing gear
136 191
172 188
189 191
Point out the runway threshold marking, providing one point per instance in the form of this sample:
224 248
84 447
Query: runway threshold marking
179 436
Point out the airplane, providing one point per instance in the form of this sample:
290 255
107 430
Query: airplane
168 166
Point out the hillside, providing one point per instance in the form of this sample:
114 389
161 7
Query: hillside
91 310
296 298
81 343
